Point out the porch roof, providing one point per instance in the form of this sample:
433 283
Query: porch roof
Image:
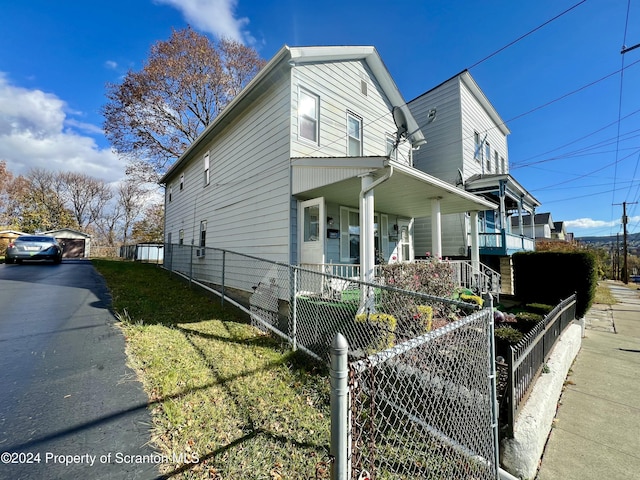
489 185
407 192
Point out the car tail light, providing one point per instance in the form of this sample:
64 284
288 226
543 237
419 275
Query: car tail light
11 245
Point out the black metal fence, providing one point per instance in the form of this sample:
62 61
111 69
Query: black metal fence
527 359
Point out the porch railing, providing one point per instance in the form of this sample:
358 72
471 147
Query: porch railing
481 280
504 241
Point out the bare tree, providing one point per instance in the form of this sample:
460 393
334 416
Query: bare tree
154 114
131 199
85 196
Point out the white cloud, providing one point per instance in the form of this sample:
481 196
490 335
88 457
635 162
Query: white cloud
590 223
111 65
36 132
213 16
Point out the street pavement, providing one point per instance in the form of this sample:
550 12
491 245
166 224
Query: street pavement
596 433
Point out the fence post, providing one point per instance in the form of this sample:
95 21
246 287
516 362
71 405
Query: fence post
339 398
294 320
224 252
488 305
191 265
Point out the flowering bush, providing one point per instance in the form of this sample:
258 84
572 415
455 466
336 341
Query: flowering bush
431 277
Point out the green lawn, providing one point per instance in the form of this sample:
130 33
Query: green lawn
233 398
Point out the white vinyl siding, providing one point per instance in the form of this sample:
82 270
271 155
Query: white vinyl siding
338 86
252 199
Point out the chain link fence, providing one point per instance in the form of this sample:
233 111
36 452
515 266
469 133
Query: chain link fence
420 366
425 408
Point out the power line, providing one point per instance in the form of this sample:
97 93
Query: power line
526 35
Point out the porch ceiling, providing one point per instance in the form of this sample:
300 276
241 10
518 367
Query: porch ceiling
408 191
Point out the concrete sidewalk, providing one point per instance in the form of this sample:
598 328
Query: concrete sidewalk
596 433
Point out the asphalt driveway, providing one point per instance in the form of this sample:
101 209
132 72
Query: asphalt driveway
69 405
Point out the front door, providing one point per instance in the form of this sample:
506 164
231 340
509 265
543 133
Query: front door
311 231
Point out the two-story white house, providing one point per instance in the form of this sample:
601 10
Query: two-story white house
312 163
467 148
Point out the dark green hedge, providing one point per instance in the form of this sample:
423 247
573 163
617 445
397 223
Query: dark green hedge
549 277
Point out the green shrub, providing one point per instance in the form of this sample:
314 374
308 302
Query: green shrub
540 308
508 334
550 277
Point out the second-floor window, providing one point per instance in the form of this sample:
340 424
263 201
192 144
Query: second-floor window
308 115
354 135
181 181
206 169
487 156
476 146
495 160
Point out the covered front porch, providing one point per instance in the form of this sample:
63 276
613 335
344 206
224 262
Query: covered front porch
496 235
355 212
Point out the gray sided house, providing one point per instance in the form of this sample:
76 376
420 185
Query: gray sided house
467 148
311 164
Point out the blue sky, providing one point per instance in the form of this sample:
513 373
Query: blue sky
559 89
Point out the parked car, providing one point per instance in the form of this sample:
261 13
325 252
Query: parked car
34 247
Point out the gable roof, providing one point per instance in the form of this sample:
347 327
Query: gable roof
466 78
280 65
69 230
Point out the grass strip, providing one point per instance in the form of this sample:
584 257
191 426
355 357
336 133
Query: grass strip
223 395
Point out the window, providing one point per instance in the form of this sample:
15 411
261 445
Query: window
203 233
487 156
181 237
476 146
170 192
504 166
349 235
312 223
354 134
206 169
181 181
495 160
308 110
392 151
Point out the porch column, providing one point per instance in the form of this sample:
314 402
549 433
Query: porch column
436 228
503 213
475 242
520 207
367 241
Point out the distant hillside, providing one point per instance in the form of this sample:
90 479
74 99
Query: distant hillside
633 241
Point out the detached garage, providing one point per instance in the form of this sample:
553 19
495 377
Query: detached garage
75 244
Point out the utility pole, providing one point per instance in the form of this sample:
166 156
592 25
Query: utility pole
625 266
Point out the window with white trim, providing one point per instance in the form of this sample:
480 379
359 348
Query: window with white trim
206 169
181 181
392 151
487 156
181 237
203 233
504 165
170 194
354 135
495 160
350 235
308 116
476 146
